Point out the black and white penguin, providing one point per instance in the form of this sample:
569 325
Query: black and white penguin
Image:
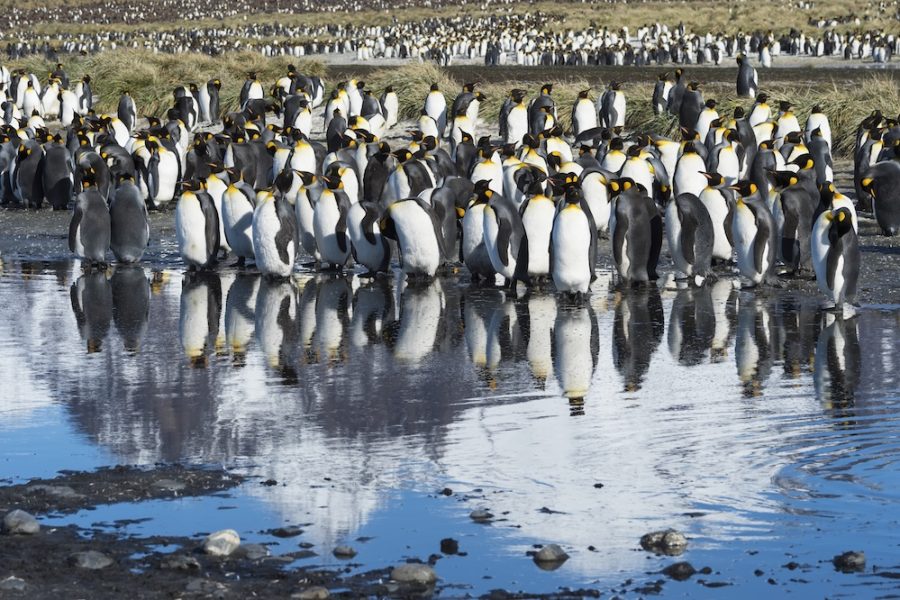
514 118
58 174
882 183
251 90
330 223
542 108
208 100
89 229
91 297
274 235
537 211
575 351
691 106
793 215
436 108
129 221
676 94
690 234
505 238
130 305
416 227
573 242
747 80
238 205
368 246
390 104
718 200
836 256
635 231
474 252
196 227
584 115
126 111
612 106
661 90
753 232
25 174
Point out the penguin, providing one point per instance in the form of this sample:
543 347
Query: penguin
881 182
163 173
130 305
689 232
747 80
196 227
129 223
718 200
691 106
304 210
836 256
274 235
238 205
689 178
85 95
786 123
57 174
753 232
89 228
537 212
542 110
436 108
514 118
760 112
635 231
594 187
473 250
820 151
818 120
505 239
573 243
638 327
330 223
793 215
91 297
251 90
612 107
575 350
198 323
676 94
416 226
390 103
208 101
368 246
126 111
661 90
25 174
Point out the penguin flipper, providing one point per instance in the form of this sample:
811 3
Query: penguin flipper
368 219
504 233
592 247
688 235
211 219
618 240
73 227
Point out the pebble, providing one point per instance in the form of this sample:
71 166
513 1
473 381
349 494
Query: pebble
287 532
169 485
446 492
12 584
180 562
551 553
19 522
206 587
60 491
312 593
480 515
668 542
680 571
850 562
344 552
414 573
253 551
91 560
222 543
449 546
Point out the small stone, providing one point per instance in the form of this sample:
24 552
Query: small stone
59 491
269 483
91 560
206 587
706 571
850 562
449 546
791 566
252 551
312 593
12 584
222 543
759 572
446 492
169 485
599 486
287 532
19 522
551 554
344 552
414 573
180 562
669 542
680 571
480 515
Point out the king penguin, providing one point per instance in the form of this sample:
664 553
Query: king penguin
835 256
89 229
129 221
196 227
274 235
635 232
753 232
689 231
573 243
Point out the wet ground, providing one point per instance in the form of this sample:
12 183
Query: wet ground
379 415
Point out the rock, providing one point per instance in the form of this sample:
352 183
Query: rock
59 491
287 532
180 562
850 562
669 542
206 587
312 593
550 557
252 551
449 546
344 552
222 543
12 584
169 485
680 571
19 522
414 573
480 515
446 492
91 560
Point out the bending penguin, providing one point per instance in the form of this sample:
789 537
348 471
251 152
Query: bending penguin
835 257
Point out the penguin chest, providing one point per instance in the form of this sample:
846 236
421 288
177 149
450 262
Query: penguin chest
571 238
473 230
417 238
492 243
237 222
728 166
190 229
436 106
619 106
370 255
516 124
194 320
538 222
717 207
325 222
166 178
572 343
305 211
542 312
585 116
596 196
819 249
744 235
673 237
274 254
688 177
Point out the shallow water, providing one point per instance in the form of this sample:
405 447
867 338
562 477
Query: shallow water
764 429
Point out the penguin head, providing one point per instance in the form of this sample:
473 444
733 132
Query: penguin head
713 179
620 185
827 191
782 179
482 191
784 106
468 88
517 95
547 89
86 79
745 188
615 86
583 94
217 84
480 97
740 58
360 85
841 222
867 184
251 75
817 109
767 145
739 112
402 155
616 144
693 86
435 87
679 72
805 162
88 177
762 98
663 76
710 104
465 137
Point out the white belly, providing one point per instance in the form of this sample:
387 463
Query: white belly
190 229
571 266
325 220
538 222
237 221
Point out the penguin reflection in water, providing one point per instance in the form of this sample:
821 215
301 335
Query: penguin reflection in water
92 303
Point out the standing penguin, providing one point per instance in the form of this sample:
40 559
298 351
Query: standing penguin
818 120
330 223
196 226
882 183
718 200
416 227
689 231
676 94
612 107
368 246
208 101
635 231
390 104
238 205
835 256
514 118
251 90
126 111
274 235
128 221
584 116
747 81
691 106
661 94
505 238
57 173
573 243
89 229
436 108
753 232
474 252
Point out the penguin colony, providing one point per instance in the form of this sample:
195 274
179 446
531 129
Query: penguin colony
498 39
754 188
